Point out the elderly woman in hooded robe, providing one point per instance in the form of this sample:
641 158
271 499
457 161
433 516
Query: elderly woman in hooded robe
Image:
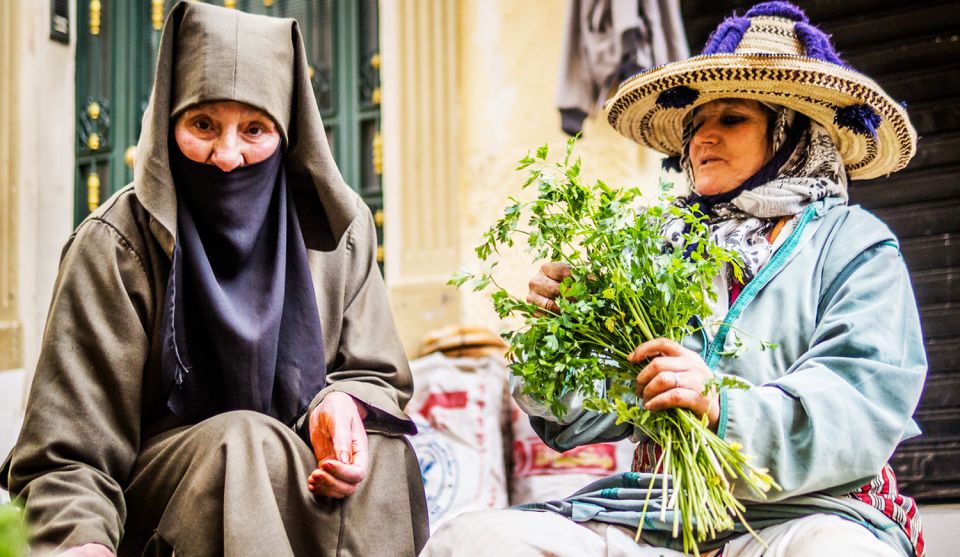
220 373
768 125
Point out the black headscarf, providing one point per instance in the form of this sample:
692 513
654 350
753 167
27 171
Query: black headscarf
241 325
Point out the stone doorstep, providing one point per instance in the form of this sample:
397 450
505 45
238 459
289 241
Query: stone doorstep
941 529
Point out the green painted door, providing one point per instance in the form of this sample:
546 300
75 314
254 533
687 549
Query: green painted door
116 52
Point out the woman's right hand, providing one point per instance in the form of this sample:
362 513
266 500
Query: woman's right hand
340 445
545 285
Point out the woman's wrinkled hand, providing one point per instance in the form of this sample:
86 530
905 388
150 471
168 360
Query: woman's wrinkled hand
675 377
88 550
340 445
545 285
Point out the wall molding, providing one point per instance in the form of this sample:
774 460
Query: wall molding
421 148
11 328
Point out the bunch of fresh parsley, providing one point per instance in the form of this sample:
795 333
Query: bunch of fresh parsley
627 286
13 534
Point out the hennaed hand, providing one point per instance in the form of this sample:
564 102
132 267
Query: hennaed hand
340 445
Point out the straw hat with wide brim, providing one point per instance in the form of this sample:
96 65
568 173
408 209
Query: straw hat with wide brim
771 54
459 340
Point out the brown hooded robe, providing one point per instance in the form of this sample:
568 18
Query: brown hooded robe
101 459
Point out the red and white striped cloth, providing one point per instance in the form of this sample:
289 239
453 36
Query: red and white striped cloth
882 494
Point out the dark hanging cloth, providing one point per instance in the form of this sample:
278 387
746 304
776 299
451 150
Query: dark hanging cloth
241 325
607 41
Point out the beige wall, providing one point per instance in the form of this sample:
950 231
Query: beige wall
38 74
504 67
421 161
44 162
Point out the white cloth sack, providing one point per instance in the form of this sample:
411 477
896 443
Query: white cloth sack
458 406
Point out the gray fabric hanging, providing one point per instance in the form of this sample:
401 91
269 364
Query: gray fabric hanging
606 41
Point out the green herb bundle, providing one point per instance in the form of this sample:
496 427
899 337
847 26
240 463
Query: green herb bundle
13 532
627 287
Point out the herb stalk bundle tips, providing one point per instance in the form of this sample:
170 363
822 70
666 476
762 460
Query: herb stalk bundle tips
627 286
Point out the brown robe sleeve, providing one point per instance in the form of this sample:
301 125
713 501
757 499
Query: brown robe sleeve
370 363
81 430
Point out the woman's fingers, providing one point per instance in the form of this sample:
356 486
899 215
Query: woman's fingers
674 377
333 478
679 398
349 473
547 304
544 287
542 293
670 367
659 365
343 442
360 447
336 428
690 399
555 271
657 347
321 435
323 482
340 445
669 381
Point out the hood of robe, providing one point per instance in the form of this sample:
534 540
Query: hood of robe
257 60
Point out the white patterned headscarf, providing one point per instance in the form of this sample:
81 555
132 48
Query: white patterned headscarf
806 167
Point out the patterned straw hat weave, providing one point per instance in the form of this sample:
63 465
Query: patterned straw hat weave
772 55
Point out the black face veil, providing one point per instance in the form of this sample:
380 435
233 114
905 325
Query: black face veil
241 328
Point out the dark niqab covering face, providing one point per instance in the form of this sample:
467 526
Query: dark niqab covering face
241 325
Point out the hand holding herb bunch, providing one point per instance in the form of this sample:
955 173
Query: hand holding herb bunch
625 301
673 376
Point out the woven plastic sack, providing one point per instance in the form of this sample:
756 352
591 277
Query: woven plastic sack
459 408
543 474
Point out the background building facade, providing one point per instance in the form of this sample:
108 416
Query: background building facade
428 105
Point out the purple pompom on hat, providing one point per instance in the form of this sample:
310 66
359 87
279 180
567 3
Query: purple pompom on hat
772 54
785 10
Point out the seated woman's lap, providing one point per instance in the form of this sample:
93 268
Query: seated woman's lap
193 480
509 532
812 536
236 484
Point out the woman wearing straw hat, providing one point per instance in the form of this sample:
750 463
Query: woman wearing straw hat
769 126
220 373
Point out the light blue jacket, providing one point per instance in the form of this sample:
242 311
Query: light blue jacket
829 405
